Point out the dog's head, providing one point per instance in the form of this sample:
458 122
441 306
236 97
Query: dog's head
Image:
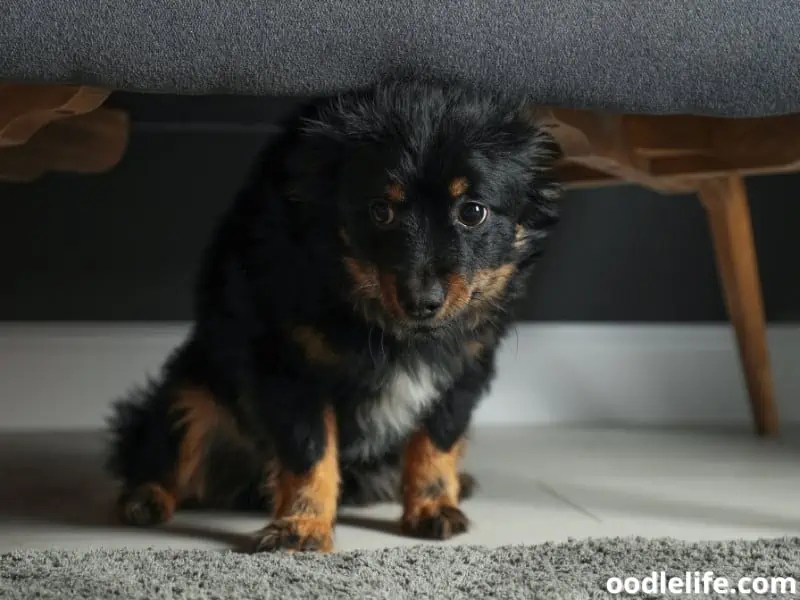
440 198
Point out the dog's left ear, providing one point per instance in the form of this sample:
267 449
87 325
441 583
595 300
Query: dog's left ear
544 133
541 213
544 153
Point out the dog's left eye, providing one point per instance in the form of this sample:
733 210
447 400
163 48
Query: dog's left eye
381 213
472 214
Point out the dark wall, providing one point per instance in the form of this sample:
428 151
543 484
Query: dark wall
124 245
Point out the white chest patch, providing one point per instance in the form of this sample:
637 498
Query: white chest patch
395 412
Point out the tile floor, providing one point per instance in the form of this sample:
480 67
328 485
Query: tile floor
537 484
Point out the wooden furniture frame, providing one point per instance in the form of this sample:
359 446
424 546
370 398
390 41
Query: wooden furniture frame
55 127
58 128
707 156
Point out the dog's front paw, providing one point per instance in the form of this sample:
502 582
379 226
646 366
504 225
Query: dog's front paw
436 522
146 505
296 534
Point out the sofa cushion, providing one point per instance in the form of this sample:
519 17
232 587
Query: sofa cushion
728 57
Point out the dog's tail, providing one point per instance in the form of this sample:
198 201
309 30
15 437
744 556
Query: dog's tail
143 447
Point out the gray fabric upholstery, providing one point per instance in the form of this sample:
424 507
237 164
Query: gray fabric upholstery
732 57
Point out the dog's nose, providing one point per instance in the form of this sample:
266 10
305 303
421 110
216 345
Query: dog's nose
425 302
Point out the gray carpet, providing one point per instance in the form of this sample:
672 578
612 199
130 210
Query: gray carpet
706 56
570 571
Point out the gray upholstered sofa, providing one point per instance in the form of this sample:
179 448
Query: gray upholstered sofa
727 57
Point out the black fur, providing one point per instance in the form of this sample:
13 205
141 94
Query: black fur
277 263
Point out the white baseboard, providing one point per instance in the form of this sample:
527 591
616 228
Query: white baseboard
55 376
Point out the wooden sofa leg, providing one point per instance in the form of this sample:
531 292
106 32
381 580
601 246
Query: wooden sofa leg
725 201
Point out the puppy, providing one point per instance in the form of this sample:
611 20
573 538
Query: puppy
348 310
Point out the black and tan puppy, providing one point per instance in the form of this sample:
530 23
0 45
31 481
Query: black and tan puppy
347 315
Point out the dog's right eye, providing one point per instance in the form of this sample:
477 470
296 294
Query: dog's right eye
381 213
472 214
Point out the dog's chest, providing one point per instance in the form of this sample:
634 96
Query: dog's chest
406 394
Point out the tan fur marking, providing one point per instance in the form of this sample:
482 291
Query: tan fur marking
458 187
427 468
520 238
344 237
314 345
164 497
307 503
492 282
200 416
474 348
389 295
458 296
395 192
365 278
